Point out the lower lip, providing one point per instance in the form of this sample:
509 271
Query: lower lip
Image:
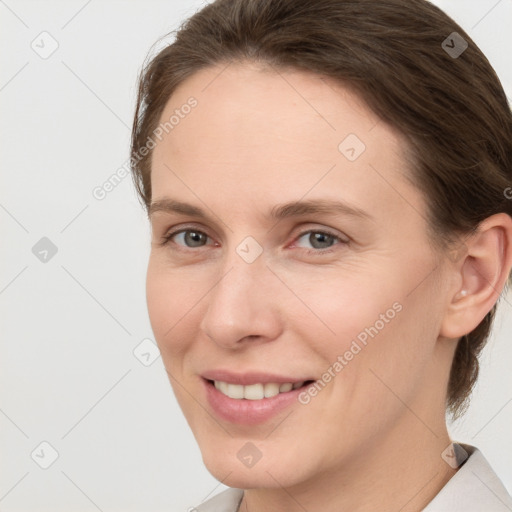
248 412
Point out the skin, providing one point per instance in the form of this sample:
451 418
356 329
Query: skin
372 438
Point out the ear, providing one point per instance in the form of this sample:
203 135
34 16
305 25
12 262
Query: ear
482 267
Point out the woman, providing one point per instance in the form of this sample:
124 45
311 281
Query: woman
326 184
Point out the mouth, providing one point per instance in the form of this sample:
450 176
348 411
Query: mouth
251 403
257 391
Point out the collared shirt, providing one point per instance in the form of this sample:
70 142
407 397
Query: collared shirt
475 487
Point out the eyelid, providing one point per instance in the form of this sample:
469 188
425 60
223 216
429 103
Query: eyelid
327 231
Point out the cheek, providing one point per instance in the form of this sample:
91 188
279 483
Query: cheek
374 331
348 312
392 366
169 304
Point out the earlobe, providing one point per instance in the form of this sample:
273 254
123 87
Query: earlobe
481 275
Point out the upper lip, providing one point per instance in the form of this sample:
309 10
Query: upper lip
248 378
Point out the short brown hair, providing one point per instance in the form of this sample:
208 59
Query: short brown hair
451 109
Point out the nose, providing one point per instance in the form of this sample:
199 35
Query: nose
243 305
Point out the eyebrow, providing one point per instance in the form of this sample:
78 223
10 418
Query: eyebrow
278 212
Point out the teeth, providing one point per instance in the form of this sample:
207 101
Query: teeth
222 387
235 391
255 391
271 390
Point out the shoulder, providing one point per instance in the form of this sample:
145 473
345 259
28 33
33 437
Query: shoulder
475 487
226 501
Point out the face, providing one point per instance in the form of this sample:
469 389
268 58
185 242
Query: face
248 297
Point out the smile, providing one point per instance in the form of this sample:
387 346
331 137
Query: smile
255 391
246 400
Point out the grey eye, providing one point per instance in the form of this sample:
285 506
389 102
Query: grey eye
192 238
319 239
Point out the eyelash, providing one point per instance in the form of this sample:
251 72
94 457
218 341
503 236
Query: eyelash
167 239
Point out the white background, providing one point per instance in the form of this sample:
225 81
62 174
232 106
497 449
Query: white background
68 375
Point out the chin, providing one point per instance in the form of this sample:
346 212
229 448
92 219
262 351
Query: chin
232 465
256 477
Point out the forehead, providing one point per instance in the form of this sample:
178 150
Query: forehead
246 105
266 135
